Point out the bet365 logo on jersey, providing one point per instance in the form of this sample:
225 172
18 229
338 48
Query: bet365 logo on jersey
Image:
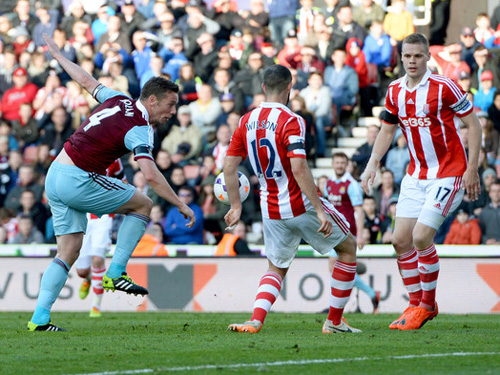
416 121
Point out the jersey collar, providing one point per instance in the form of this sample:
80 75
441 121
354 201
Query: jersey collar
143 110
272 105
423 81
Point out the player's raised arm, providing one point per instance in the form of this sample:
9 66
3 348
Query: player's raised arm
77 73
163 189
380 147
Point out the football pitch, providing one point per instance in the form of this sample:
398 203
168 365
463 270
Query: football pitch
198 343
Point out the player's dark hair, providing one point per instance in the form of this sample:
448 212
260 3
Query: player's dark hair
277 78
159 87
417 38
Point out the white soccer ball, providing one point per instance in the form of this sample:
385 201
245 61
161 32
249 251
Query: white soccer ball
221 192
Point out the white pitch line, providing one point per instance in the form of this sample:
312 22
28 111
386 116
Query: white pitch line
289 363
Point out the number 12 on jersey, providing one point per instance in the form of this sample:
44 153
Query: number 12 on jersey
270 172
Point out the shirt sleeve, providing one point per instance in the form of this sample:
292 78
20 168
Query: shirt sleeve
140 140
103 93
294 137
237 144
457 98
355 194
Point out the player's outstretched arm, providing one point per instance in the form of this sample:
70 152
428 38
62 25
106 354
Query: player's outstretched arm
471 175
156 180
232 184
76 72
382 144
304 178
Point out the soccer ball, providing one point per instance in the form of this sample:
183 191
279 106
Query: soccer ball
220 188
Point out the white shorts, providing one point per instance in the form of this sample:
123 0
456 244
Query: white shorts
96 242
282 237
430 201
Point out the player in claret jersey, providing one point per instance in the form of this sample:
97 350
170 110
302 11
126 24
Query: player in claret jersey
427 107
77 183
272 137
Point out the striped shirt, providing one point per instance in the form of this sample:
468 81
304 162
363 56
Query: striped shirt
270 135
428 115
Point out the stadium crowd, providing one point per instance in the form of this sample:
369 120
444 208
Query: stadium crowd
342 57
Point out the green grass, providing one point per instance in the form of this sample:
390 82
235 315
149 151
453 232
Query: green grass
123 342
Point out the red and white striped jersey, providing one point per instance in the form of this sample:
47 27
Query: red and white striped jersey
428 117
270 135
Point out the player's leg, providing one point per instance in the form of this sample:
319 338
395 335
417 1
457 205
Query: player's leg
364 287
98 271
82 264
281 247
53 280
137 211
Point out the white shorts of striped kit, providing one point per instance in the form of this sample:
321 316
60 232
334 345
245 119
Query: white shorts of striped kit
430 201
282 237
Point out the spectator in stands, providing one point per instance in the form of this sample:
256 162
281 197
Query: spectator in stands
331 10
56 129
205 110
318 100
184 142
152 23
227 19
43 162
485 60
347 26
188 82
483 30
377 47
165 164
23 17
465 82
28 205
398 159
257 18
28 233
342 80
115 34
132 20
142 53
298 105
489 218
326 45
449 60
367 12
3 235
52 94
21 41
364 151
218 151
224 85
168 30
9 221
387 226
464 230
440 17
469 45
494 111
100 24
76 14
385 191
81 36
205 59
67 50
151 243
7 71
174 57
249 80
26 128
281 19
175 224
22 92
305 62
5 30
156 65
304 17
356 60
46 25
318 25
38 69
398 22
196 24
291 47
483 98
373 221
5 172
213 210
234 244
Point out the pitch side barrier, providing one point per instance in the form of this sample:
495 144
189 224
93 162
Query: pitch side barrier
191 279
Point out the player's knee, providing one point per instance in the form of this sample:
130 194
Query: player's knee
402 243
348 247
83 272
421 240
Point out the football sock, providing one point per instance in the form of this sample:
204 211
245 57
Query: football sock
408 268
269 289
129 234
53 280
361 285
342 282
97 274
428 266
